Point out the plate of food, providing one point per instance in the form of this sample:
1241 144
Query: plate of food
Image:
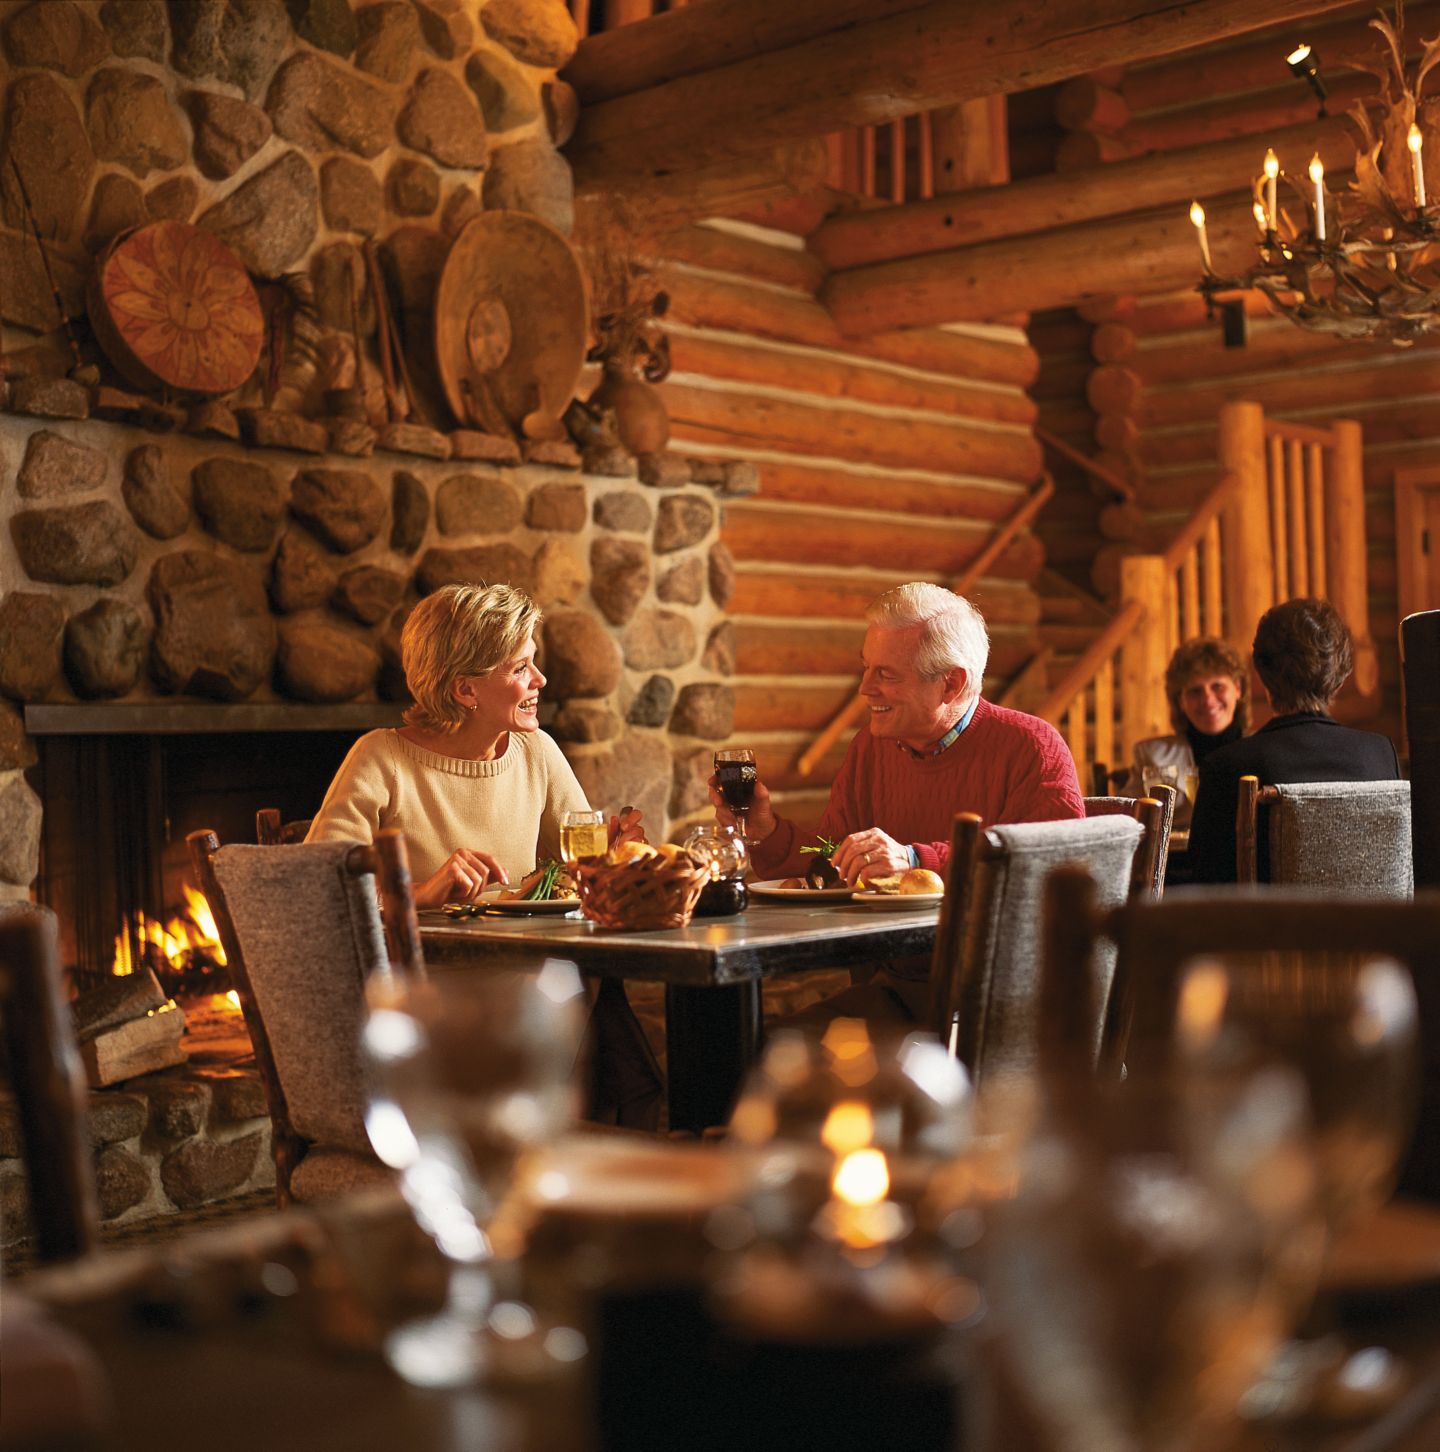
916 888
549 890
796 889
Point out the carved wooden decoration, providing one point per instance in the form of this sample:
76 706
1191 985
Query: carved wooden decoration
510 325
172 305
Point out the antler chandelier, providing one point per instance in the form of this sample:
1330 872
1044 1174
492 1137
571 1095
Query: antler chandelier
1365 263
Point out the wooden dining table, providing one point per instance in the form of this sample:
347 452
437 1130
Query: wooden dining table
712 970
266 1333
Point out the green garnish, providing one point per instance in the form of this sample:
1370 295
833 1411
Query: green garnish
545 883
825 847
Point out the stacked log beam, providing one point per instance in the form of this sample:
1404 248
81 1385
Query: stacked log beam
880 460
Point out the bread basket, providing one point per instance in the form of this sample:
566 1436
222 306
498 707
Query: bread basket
650 892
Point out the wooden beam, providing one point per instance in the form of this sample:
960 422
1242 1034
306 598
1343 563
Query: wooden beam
1040 203
875 71
1146 252
721 190
702 37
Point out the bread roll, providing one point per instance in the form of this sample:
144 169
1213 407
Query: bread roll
631 852
921 880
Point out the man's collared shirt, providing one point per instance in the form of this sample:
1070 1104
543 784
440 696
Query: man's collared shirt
946 741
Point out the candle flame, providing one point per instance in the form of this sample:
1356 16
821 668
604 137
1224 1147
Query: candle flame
861 1178
849 1126
1272 164
1317 169
1415 140
1197 214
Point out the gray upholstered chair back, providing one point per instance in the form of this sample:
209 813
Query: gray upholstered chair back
1001 953
1352 836
310 933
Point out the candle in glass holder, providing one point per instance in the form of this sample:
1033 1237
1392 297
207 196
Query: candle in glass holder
1415 141
1317 176
1272 173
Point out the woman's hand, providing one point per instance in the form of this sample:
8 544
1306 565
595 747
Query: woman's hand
867 854
760 820
463 876
626 827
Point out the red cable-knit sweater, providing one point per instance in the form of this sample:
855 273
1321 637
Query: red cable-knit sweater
1005 766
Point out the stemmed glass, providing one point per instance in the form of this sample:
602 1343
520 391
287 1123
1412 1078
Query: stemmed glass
736 777
470 1075
1140 1266
1349 1024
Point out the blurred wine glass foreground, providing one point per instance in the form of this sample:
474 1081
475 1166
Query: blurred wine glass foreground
1349 1024
1146 1259
469 1075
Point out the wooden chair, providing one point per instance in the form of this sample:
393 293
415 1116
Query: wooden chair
984 975
270 833
1153 941
49 1084
302 932
1156 814
1351 837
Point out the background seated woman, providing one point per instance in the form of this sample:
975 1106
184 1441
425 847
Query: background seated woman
1303 654
1205 686
479 790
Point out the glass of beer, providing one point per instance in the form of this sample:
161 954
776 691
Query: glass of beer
583 834
736 776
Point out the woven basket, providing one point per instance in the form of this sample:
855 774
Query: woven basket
650 893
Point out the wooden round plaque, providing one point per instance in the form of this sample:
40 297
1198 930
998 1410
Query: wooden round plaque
172 305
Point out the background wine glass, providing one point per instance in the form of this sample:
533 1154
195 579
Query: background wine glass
583 834
735 774
470 1074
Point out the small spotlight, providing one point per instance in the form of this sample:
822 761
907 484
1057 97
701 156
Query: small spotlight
1305 65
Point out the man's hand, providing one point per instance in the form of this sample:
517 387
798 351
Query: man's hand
463 876
626 827
867 854
759 821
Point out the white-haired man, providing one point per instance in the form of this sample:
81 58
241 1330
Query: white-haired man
934 747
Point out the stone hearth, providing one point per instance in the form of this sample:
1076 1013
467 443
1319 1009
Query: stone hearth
165 1142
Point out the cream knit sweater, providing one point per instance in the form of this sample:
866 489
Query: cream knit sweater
510 807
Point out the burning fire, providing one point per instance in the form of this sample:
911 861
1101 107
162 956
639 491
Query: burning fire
177 943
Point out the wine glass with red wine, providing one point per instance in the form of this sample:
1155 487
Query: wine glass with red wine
736 776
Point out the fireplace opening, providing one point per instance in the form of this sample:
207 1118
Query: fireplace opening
117 808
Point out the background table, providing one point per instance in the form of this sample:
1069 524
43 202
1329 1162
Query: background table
712 971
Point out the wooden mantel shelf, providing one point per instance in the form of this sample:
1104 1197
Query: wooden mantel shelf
158 718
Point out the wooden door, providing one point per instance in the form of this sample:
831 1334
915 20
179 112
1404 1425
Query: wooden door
1417 539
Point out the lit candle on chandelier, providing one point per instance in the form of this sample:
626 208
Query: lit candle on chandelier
1272 172
1415 141
1197 215
1317 175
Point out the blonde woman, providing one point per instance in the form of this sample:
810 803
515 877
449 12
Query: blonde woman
479 790
472 781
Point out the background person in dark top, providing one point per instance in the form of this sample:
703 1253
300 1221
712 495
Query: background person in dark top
1303 655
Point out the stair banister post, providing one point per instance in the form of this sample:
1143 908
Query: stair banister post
1345 549
1144 711
1245 524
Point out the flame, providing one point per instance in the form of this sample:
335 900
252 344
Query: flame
177 939
861 1178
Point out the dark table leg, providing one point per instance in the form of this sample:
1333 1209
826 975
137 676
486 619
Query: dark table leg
712 1037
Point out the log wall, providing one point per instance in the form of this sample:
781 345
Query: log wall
1178 374
880 460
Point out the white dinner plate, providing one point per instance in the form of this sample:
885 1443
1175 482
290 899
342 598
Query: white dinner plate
892 900
774 892
550 907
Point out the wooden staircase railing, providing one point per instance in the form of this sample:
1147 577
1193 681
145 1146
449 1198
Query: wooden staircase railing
1285 519
1005 532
